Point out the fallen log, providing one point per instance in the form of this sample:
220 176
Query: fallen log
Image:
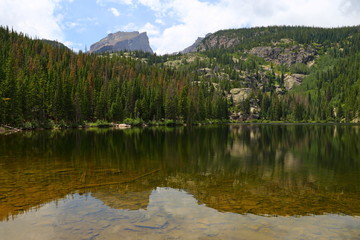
11 128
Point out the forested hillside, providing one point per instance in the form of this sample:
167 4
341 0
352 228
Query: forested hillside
268 73
41 85
282 73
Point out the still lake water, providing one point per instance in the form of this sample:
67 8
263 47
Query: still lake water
217 182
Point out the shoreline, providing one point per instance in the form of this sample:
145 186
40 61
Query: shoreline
5 131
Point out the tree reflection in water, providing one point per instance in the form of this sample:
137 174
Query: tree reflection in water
260 169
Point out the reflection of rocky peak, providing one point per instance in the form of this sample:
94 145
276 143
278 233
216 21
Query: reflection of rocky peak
256 169
120 41
124 200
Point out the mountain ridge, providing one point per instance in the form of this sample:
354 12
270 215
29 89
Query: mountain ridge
122 41
261 74
193 47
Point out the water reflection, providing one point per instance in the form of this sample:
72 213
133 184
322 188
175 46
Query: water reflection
259 169
170 214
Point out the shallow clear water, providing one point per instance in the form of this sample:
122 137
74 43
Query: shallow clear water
227 182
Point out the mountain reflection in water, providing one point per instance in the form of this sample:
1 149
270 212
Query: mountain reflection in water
170 214
268 170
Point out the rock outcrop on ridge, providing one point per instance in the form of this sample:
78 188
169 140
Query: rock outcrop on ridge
193 47
122 41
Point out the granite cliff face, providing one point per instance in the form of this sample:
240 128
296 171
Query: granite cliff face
286 51
121 41
287 56
212 41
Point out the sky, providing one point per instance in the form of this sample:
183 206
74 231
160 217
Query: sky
171 25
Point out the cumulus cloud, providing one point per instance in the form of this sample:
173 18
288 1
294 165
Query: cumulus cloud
155 5
35 18
150 29
114 11
160 21
71 25
175 24
351 7
125 2
196 17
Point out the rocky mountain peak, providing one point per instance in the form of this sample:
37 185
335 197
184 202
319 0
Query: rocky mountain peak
121 41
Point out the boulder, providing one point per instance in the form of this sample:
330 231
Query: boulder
293 80
121 126
239 94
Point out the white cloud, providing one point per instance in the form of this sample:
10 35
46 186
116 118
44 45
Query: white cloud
196 17
150 29
125 2
155 5
129 27
160 21
81 25
351 7
74 46
176 24
71 25
114 11
88 20
35 18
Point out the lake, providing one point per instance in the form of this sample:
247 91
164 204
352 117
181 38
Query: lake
249 181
